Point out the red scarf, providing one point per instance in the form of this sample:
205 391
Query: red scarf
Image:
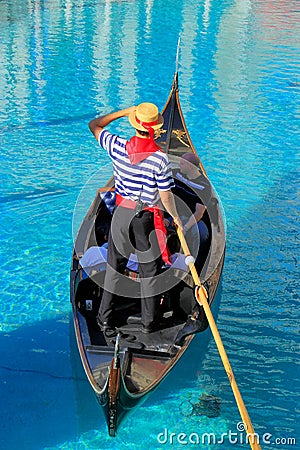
139 149
161 234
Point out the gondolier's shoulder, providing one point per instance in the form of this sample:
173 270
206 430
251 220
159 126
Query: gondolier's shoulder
109 141
160 159
163 172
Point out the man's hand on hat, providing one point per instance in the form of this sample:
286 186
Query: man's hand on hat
129 110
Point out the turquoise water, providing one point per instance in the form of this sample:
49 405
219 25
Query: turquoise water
63 62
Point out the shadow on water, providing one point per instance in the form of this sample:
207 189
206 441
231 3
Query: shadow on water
37 388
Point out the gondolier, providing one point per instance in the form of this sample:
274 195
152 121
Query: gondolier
143 180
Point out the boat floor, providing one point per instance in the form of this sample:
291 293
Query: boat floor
160 340
131 336
127 319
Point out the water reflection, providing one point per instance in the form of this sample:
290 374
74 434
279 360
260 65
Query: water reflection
232 62
190 30
101 64
206 13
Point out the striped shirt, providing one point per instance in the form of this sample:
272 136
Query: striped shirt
143 180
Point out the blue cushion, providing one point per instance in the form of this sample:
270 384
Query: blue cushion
109 198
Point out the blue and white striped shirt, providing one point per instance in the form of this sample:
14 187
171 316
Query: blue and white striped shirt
146 177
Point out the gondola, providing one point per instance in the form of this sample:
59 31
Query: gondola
124 370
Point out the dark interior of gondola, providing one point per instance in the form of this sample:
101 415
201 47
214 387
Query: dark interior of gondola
177 303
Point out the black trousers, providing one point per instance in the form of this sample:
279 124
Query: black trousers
131 234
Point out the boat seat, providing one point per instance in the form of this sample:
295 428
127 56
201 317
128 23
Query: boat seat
104 216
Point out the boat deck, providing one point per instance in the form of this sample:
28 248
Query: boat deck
160 340
131 336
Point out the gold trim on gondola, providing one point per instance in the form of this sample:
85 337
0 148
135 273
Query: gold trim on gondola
180 134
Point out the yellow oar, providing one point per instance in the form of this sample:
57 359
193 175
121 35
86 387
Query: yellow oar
201 296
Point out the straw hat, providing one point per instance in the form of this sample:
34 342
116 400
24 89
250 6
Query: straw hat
146 114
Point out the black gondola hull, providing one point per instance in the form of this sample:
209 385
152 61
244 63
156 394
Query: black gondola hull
124 375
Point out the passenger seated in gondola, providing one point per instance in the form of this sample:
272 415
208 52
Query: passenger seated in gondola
192 190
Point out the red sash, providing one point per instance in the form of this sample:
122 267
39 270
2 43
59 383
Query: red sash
160 229
139 149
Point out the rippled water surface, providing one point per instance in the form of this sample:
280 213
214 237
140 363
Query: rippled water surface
63 62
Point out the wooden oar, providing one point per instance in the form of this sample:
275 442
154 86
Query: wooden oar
201 297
